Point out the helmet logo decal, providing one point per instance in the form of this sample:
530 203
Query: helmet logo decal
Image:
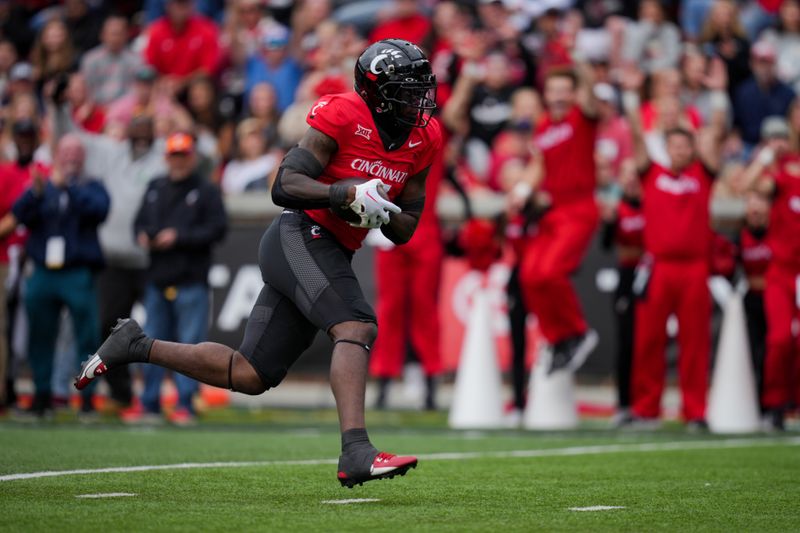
385 53
373 67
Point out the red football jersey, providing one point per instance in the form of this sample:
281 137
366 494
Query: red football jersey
754 252
784 226
347 119
676 212
568 149
629 231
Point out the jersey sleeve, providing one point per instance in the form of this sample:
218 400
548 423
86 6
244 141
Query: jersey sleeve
434 144
327 116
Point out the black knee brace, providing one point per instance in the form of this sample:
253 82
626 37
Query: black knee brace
357 343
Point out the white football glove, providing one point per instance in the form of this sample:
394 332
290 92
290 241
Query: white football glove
373 208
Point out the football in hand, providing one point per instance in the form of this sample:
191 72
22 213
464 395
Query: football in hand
347 214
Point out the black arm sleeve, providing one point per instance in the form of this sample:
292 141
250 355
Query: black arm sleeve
296 168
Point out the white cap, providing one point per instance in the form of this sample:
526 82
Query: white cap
605 92
21 71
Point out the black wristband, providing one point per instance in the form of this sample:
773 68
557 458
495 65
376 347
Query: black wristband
338 193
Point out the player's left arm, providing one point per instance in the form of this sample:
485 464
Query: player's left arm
711 138
586 98
401 226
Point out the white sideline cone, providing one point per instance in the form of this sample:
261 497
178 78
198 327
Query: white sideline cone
551 398
478 394
732 402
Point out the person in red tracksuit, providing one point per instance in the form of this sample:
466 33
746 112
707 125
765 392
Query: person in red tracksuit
407 304
563 170
754 255
775 171
677 242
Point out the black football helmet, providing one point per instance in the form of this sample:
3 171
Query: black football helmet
395 79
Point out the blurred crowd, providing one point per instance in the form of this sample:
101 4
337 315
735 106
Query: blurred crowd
124 124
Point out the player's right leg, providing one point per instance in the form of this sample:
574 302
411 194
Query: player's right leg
275 336
208 362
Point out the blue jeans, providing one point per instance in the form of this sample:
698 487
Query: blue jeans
183 318
47 293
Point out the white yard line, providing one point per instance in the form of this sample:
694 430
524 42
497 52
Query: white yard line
352 500
455 456
597 508
106 495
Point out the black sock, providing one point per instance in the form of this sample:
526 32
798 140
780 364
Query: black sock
356 440
140 348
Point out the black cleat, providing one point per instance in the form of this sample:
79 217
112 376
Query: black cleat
430 393
126 344
571 353
773 421
697 426
384 466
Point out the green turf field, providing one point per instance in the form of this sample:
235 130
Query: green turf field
666 480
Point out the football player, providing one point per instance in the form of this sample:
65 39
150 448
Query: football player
383 134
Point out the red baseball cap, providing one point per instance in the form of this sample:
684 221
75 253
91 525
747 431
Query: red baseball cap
180 143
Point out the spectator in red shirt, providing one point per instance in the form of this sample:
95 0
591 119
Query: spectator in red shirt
553 50
145 97
666 84
85 112
614 142
402 21
15 177
775 172
182 43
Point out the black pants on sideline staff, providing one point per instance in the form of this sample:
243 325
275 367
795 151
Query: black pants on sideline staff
756 333
517 317
624 309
